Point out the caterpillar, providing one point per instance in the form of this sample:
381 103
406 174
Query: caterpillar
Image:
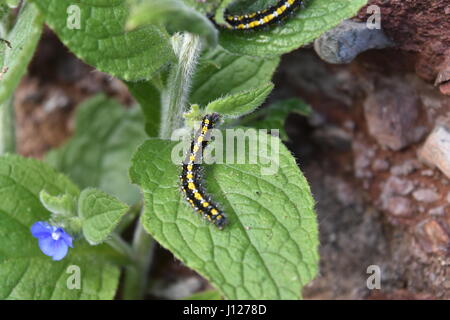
191 175
266 17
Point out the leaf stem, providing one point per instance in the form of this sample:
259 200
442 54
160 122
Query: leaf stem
174 97
118 244
136 276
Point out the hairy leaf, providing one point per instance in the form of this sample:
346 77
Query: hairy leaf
95 31
241 103
98 155
100 214
221 73
298 30
269 248
175 16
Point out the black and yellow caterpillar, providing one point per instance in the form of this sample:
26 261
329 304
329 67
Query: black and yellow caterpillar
191 175
266 17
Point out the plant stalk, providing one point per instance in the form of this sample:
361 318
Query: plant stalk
174 97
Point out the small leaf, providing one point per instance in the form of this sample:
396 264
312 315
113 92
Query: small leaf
23 39
100 213
221 73
98 155
302 28
274 116
95 32
25 272
238 104
205 295
64 205
175 16
269 248
149 99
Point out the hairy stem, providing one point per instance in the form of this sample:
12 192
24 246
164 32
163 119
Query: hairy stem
174 97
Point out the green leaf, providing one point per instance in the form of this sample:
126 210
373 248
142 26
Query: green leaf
149 99
205 295
100 214
175 16
101 39
274 116
202 6
23 39
238 104
269 248
25 272
221 73
63 204
300 29
98 155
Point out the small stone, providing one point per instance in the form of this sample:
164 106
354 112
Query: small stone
380 165
427 173
398 186
432 236
426 195
405 168
392 113
436 149
438 211
343 43
399 206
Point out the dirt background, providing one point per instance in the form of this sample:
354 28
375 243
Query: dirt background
377 202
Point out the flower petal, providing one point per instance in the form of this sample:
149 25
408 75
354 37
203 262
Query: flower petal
47 245
67 238
61 249
41 229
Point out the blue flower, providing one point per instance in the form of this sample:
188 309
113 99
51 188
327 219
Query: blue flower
53 241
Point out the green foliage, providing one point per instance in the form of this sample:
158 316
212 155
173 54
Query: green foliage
98 154
25 272
269 248
241 103
221 73
63 204
174 15
102 41
205 295
100 214
274 116
23 39
300 29
149 98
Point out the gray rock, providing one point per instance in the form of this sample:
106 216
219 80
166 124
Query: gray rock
426 195
407 167
399 206
343 43
436 149
380 165
438 211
